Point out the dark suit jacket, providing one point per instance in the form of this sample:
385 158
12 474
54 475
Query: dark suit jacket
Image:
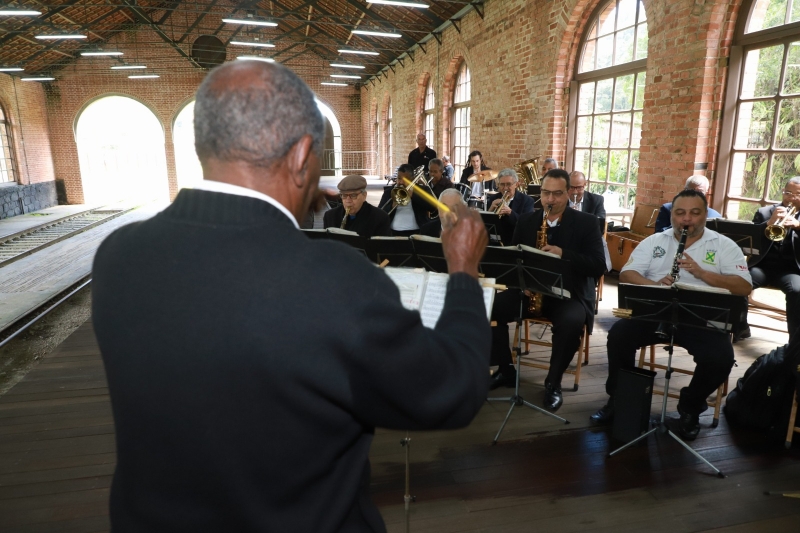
792 239
664 219
594 204
520 204
432 228
368 222
220 426
467 172
422 209
582 246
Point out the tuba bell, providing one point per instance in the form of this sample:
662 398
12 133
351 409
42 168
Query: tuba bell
528 171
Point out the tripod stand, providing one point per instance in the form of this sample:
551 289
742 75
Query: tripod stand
682 308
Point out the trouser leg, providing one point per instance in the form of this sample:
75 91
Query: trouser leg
568 318
625 337
789 284
505 310
713 355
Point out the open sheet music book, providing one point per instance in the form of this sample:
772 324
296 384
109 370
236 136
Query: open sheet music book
701 288
425 291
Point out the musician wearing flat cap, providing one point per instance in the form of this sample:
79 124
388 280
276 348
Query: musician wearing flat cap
355 212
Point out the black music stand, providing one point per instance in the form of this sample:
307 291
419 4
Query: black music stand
492 223
747 236
520 269
676 308
399 251
429 254
350 238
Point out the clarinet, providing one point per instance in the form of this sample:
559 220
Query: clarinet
662 331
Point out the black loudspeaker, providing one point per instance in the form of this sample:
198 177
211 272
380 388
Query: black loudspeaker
632 403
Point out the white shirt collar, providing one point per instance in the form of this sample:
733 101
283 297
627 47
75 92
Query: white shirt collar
227 188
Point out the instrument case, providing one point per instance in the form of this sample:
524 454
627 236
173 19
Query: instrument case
622 243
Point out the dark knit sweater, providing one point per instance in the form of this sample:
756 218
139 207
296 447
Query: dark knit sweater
248 367
368 222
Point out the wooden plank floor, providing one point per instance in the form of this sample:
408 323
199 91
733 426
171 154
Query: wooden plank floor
57 457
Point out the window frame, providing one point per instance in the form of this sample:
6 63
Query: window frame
389 139
9 168
456 110
429 114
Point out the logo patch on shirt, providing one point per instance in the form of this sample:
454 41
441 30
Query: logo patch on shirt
742 268
659 252
710 257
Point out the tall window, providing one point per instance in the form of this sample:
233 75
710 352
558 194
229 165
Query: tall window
606 114
377 133
461 98
763 132
389 140
7 170
430 113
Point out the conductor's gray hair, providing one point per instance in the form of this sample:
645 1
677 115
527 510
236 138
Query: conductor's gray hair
508 172
451 192
256 122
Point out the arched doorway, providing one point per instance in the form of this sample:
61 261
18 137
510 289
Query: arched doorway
121 152
187 165
332 163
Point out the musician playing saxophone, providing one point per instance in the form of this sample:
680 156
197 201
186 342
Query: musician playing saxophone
516 203
708 259
575 237
362 217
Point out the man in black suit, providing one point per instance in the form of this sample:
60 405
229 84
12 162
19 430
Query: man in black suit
363 218
573 236
778 264
517 204
239 405
422 154
583 200
406 219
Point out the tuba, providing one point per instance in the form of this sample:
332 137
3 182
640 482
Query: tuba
528 171
777 232
537 298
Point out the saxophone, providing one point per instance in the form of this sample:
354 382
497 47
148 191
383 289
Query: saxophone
344 218
537 298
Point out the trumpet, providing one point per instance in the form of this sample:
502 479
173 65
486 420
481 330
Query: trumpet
504 203
777 232
344 218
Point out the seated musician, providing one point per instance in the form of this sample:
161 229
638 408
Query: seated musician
778 264
474 165
363 218
438 181
517 203
405 219
449 197
573 236
583 200
549 164
709 259
693 183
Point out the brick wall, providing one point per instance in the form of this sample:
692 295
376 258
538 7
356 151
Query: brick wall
522 57
91 78
24 105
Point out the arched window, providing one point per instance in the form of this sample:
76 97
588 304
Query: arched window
430 113
377 133
761 126
8 170
461 100
606 103
187 166
389 143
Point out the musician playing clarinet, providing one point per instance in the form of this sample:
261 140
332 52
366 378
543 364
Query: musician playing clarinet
708 259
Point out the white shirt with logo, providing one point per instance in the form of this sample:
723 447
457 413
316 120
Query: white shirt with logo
654 256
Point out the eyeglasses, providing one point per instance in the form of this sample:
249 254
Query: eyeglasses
792 194
577 187
509 184
554 194
353 196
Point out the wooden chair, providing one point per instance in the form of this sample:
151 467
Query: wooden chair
792 418
526 341
722 390
764 309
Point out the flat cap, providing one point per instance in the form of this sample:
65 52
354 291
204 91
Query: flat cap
352 183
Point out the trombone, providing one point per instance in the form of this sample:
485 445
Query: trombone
401 194
777 232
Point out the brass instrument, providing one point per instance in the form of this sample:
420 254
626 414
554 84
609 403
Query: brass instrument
537 298
503 203
528 171
401 193
344 218
777 232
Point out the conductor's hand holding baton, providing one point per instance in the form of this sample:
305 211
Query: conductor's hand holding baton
464 240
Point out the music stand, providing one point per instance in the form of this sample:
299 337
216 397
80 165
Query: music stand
748 236
676 308
429 254
492 223
398 250
520 269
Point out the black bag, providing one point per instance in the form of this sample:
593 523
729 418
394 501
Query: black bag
762 398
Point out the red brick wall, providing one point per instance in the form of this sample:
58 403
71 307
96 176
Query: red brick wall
522 58
90 79
24 105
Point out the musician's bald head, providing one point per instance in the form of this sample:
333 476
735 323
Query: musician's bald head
254 112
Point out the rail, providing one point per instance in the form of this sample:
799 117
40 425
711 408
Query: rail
350 162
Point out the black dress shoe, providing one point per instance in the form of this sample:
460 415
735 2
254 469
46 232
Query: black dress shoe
743 333
605 415
506 378
552 397
689 426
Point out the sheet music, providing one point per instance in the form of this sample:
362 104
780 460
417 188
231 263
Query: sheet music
433 299
410 283
537 251
341 231
701 288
